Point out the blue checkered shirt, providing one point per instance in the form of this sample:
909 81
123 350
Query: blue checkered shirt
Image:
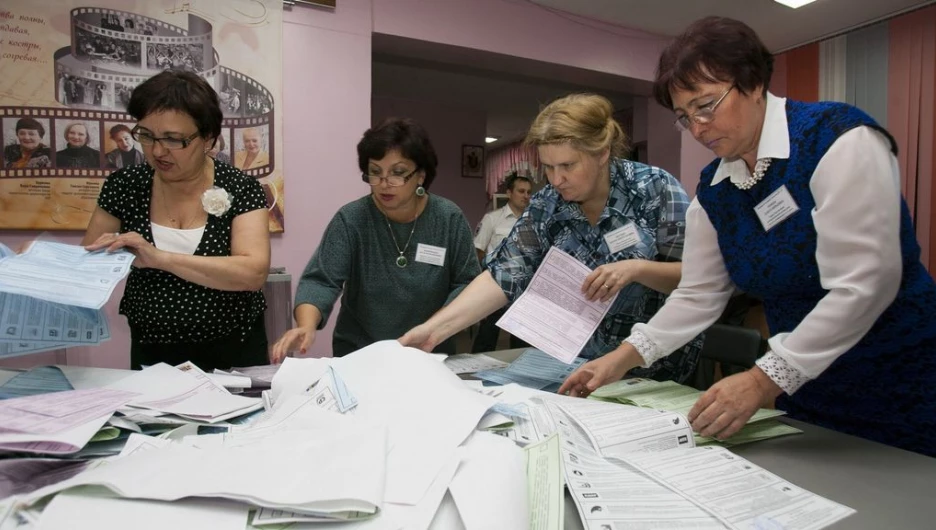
649 197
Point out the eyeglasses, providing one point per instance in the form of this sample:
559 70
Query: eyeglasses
393 181
702 115
146 138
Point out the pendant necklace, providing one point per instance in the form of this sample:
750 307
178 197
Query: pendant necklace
401 260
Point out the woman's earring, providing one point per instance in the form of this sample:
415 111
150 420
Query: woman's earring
420 191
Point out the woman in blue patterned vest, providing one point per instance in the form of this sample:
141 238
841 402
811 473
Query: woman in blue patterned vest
802 209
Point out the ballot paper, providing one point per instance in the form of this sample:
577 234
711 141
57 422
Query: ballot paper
713 477
674 397
552 313
99 510
23 475
532 369
38 380
466 363
59 411
65 274
609 495
189 394
30 325
545 484
353 460
428 409
618 430
490 487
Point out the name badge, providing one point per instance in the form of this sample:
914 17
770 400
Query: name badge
622 238
776 208
430 254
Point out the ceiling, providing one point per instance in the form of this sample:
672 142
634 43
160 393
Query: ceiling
511 90
779 26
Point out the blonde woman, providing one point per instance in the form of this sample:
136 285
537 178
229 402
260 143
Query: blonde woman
592 192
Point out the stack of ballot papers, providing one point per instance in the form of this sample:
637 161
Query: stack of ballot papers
634 467
389 438
672 396
59 422
186 392
51 296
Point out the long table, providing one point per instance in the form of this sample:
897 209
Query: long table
888 487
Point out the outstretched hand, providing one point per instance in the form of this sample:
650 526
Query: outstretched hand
727 406
421 337
297 339
596 373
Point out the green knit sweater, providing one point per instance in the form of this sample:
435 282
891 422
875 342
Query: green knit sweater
379 300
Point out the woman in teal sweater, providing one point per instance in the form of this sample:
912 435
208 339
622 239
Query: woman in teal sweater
395 256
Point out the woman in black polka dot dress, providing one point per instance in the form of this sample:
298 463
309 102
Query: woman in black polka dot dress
198 229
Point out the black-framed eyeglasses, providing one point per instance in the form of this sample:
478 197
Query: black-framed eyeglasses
702 115
392 180
146 138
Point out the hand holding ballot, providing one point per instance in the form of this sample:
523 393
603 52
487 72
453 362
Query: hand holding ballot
147 255
729 404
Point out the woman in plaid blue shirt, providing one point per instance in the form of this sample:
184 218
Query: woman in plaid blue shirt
592 193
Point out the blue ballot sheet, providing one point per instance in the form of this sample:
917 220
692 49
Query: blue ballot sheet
50 297
39 380
533 369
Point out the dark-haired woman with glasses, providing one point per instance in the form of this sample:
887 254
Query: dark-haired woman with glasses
801 209
198 229
395 256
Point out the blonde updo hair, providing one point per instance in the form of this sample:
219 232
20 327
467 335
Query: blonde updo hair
584 121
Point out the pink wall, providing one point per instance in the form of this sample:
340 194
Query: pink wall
522 29
663 140
448 128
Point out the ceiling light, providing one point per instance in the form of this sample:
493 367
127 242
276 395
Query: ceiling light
490 139
794 3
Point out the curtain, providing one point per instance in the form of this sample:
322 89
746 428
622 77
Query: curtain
866 70
514 158
803 73
911 100
832 68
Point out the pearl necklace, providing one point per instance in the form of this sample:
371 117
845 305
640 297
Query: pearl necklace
759 169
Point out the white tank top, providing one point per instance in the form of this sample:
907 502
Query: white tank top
177 240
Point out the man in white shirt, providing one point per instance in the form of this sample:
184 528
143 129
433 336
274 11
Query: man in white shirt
494 227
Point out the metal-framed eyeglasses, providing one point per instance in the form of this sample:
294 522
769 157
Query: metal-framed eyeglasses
146 138
702 115
393 179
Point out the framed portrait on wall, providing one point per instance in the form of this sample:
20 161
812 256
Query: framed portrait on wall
472 161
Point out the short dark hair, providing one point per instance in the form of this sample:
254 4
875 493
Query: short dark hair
119 128
405 135
712 50
31 124
512 179
180 91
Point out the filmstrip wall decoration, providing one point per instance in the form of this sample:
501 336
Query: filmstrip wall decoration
67 70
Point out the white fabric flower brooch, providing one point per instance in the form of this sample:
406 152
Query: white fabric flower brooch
216 201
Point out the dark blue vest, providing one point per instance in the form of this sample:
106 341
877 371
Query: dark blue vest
779 266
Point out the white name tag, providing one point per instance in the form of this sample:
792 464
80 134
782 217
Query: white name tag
776 208
430 254
622 238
